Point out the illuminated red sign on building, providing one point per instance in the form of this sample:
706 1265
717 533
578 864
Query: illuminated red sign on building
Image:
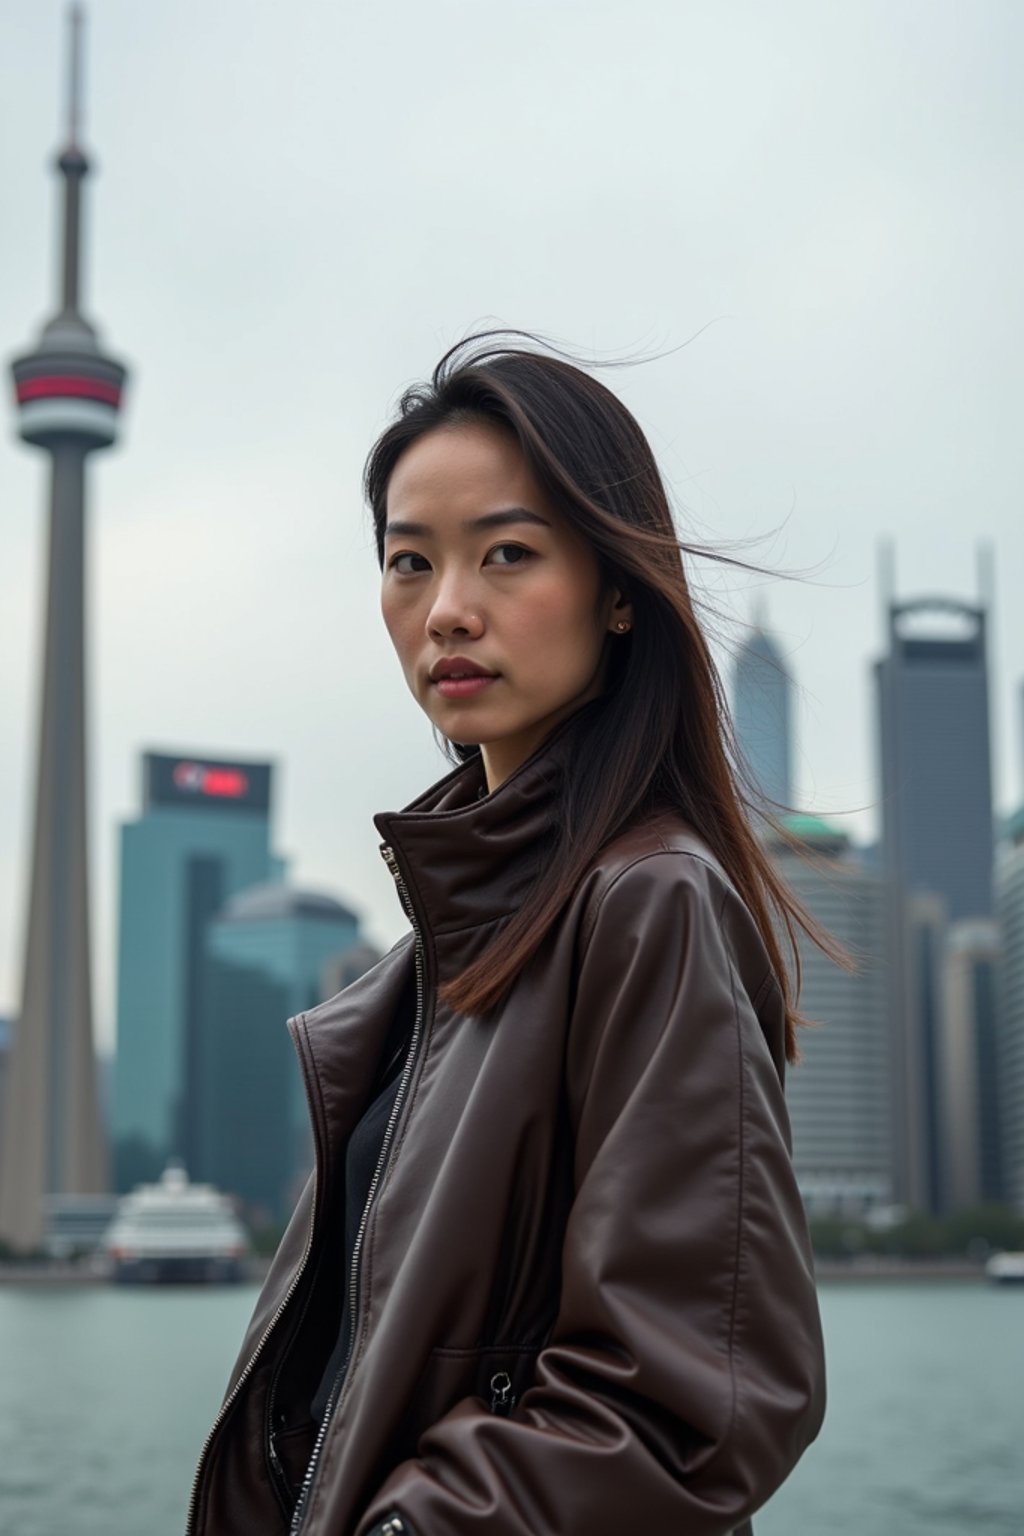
223 783
205 785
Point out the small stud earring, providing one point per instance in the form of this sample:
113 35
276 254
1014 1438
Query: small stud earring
622 626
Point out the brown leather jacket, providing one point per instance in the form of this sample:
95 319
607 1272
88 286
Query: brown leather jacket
583 1290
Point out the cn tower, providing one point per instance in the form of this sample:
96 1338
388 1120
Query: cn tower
68 396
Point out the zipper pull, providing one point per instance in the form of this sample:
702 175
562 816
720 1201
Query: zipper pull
502 1397
387 853
393 1527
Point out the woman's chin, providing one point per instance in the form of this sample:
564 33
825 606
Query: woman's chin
468 726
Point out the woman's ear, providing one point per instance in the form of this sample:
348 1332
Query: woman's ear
620 614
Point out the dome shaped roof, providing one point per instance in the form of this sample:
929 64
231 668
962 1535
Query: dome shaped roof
816 832
273 903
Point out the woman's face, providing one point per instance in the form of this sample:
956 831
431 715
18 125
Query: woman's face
494 604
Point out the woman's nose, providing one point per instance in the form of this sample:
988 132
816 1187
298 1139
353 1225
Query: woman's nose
454 612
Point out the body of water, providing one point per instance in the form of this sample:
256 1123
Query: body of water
106 1396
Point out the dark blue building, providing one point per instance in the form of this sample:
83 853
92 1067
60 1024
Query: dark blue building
936 774
937 852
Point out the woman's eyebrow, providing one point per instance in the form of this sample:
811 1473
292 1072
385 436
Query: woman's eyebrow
503 518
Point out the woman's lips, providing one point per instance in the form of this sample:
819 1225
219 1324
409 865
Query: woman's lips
464 687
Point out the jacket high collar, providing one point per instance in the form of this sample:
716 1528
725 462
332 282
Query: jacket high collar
468 857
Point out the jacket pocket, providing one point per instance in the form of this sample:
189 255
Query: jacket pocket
289 1452
496 1374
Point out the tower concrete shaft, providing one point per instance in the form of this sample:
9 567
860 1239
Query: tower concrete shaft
68 397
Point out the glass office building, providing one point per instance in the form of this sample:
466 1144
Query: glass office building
762 715
937 849
936 777
203 836
269 955
972 1151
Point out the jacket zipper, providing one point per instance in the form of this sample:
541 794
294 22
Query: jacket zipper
285 1491
280 1477
249 1368
388 855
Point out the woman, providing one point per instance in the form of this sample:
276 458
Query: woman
551 1276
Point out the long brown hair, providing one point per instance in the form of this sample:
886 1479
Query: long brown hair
662 736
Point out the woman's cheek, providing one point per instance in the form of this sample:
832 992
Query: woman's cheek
400 622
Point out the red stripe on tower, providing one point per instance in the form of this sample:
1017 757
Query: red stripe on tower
67 386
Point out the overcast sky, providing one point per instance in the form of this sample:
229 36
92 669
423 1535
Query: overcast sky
298 207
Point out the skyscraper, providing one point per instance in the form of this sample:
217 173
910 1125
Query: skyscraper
972 1161
1010 904
762 714
69 395
936 777
266 955
839 1094
203 836
937 848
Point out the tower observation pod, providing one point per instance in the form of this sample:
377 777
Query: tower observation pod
68 395
68 392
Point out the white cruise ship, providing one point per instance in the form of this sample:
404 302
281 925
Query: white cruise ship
176 1231
1006 1268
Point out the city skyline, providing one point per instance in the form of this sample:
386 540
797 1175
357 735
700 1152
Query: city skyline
857 378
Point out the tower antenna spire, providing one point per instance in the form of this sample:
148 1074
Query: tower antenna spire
76 21
73 166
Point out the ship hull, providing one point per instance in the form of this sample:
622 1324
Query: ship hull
178 1269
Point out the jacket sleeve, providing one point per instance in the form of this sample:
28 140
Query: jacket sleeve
684 1374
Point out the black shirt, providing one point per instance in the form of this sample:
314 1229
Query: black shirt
361 1156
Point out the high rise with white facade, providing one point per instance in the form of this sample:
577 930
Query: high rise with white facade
839 1093
1010 909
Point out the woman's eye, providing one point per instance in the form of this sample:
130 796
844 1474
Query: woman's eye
405 563
508 554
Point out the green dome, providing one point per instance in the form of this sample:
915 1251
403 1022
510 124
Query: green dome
816 833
